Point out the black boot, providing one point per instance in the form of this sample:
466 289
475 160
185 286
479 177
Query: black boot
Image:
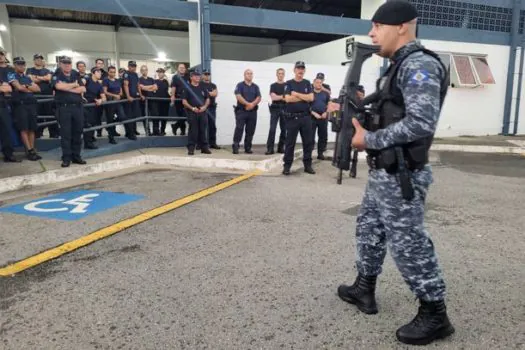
430 323
308 169
361 293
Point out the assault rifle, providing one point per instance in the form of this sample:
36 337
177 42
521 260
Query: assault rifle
350 106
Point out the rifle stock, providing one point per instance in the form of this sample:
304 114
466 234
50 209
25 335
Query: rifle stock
350 107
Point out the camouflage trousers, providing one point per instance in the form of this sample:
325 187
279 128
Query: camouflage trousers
386 219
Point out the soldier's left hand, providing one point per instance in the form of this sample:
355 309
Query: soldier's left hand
358 141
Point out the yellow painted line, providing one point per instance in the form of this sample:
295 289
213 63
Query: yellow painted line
117 227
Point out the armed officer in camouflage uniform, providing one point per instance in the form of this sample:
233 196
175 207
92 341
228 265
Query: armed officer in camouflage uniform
410 96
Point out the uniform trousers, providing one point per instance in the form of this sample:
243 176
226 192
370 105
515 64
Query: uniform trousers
197 134
245 121
385 219
298 124
71 120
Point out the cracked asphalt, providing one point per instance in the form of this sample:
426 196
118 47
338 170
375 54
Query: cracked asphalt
257 265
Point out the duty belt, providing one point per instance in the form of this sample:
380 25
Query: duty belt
296 115
376 163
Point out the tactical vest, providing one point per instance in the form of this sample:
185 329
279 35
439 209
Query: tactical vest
389 108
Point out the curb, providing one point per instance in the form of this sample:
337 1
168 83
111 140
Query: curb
61 175
478 149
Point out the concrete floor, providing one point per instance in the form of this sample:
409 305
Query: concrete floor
257 265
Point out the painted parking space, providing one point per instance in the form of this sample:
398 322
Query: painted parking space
71 206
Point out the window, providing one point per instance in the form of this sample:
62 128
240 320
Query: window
467 70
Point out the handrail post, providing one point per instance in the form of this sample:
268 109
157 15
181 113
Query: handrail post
146 125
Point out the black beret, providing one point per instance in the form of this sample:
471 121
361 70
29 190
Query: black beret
395 12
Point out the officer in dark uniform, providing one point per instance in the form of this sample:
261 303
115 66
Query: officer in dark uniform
82 69
42 77
196 100
69 88
212 109
113 90
148 88
163 106
5 68
276 114
298 96
248 97
5 124
99 63
179 82
131 89
94 94
320 117
24 106
325 87
407 109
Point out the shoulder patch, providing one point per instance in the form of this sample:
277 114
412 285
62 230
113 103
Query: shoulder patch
11 76
125 75
419 76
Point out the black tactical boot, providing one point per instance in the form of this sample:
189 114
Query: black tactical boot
361 293
308 169
430 323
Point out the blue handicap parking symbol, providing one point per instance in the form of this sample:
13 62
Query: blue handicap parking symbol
72 205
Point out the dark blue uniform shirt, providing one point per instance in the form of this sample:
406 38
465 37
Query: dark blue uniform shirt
302 87
248 92
195 95
23 80
148 81
164 88
179 83
65 96
278 89
45 87
4 71
93 90
320 103
133 80
113 86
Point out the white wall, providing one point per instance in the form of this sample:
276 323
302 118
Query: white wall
31 36
466 111
228 73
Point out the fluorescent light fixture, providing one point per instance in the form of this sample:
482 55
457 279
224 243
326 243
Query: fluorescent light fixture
162 56
3 28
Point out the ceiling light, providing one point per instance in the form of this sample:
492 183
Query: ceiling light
3 28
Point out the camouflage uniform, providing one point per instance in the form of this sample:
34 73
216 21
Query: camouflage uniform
385 217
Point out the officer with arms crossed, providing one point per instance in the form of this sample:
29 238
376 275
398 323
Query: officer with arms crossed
411 93
248 97
69 88
196 100
25 106
298 95
42 77
276 114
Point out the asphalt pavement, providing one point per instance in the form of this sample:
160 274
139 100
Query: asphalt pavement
257 265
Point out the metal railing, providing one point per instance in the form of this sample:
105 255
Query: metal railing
147 118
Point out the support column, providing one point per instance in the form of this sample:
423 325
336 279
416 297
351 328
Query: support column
204 9
369 7
194 32
511 66
5 36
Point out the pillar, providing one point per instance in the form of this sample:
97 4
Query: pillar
369 7
5 36
194 32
